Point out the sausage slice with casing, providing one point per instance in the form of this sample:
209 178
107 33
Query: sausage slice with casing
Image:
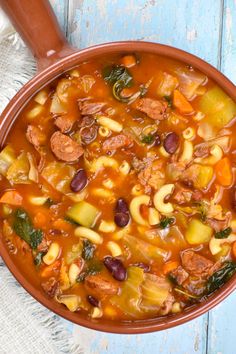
64 148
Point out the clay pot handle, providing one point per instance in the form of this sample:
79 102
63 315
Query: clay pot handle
37 24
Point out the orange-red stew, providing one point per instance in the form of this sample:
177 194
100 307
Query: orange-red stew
117 188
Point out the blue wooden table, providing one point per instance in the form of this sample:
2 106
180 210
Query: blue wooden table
206 28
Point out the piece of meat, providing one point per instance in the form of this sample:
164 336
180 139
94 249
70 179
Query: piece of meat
152 175
35 136
195 264
116 142
43 246
181 194
179 274
167 306
64 123
89 108
197 195
101 286
155 109
50 287
219 225
64 148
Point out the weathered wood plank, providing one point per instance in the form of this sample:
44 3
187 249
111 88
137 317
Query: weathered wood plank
190 25
222 321
228 59
60 7
187 339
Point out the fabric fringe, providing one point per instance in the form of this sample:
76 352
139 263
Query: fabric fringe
54 329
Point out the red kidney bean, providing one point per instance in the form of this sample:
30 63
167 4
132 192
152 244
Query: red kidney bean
93 301
79 181
121 206
116 267
121 219
171 143
142 265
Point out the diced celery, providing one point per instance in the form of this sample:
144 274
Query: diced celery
197 232
7 157
219 108
83 213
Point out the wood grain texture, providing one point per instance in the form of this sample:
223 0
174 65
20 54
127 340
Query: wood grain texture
207 29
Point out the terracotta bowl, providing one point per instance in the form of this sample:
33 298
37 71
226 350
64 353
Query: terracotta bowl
38 26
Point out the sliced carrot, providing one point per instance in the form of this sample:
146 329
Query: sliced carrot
128 61
168 267
180 102
49 270
40 219
223 172
234 249
61 224
12 198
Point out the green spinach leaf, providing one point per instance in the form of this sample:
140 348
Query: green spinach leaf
220 277
148 139
165 222
88 250
223 233
23 227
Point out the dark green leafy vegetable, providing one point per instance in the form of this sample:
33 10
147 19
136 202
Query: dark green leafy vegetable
148 139
220 277
93 267
23 227
38 258
169 101
88 250
112 74
49 202
119 77
165 222
202 210
223 233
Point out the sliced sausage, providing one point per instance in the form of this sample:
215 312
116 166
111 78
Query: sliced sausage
50 287
88 108
65 123
195 264
35 136
101 286
64 148
116 142
88 134
154 109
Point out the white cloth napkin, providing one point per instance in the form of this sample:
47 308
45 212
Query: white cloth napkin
26 327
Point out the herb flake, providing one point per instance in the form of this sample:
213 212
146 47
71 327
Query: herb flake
23 227
223 233
165 222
